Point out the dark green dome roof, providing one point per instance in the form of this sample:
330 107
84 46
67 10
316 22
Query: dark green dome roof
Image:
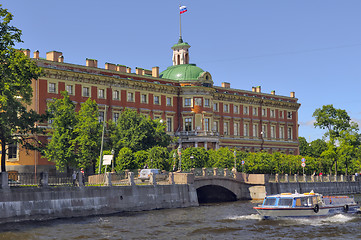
183 72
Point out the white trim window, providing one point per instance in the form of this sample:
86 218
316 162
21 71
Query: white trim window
115 117
187 102
116 95
245 110
101 93
143 98
70 89
246 129
215 107
206 124
273 131
188 124
282 132
289 133
255 130
236 129
169 124
235 109
169 101
130 97
86 92
156 100
52 87
226 128
225 108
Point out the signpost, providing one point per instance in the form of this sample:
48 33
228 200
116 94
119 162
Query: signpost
107 160
242 165
303 164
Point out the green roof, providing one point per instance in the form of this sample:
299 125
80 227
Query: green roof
183 72
181 44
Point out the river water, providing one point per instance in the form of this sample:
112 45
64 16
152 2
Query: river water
235 220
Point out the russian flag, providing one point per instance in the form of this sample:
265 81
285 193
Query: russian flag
182 9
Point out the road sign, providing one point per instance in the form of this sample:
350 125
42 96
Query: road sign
303 164
303 160
242 162
107 159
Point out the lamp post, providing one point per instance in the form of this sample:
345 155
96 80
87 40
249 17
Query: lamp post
180 158
113 160
262 141
174 155
235 161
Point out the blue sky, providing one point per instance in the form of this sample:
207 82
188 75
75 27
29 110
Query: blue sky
312 47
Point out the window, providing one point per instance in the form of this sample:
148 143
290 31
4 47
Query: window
206 124
246 129
169 125
70 89
225 108
101 116
206 102
115 117
188 124
273 132
187 102
264 112
289 133
130 97
13 151
272 113
156 100
225 128
235 109
52 88
289 115
281 114
236 129
255 111
215 107
245 110
169 101
215 126
198 101
282 132
264 131
143 98
116 95
255 130
101 93
86 92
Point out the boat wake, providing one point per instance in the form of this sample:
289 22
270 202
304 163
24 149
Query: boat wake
328 220
246 217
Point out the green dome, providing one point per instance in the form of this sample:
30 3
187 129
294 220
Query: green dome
183 72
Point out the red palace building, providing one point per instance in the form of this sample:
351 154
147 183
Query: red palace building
183 96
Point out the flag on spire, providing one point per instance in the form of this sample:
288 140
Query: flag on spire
182 9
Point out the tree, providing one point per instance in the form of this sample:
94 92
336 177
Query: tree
125 160
88 134
194 158
158 157
17 122
135 131
61 148
317 147
304 147
332 119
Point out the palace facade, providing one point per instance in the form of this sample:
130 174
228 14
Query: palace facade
183 96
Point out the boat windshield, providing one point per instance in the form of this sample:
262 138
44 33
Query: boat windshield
269 202
286 202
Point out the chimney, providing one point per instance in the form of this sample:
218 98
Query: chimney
26 52
292 95
258 89
226 85
91 62
253 89
121 68
53 56
147 72
61 59
129 70
155 72
36 54
273 92
110 66
139 71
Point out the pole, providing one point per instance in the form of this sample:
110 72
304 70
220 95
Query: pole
101 146
180 24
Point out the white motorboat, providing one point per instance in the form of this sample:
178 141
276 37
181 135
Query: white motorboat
305 205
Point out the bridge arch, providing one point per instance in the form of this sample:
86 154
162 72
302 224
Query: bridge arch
220 189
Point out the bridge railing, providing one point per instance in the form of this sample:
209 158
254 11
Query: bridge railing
312 178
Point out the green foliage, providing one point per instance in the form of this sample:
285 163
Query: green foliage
88 132
135 131
61 148
125 160
332 119
317 147
158 157
194 158
303 146
141 158
17 123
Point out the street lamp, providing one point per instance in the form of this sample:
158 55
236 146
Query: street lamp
262 141
113 160
174 155
235 157
180 158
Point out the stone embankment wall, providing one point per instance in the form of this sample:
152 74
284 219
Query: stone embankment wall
56 202
325 188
